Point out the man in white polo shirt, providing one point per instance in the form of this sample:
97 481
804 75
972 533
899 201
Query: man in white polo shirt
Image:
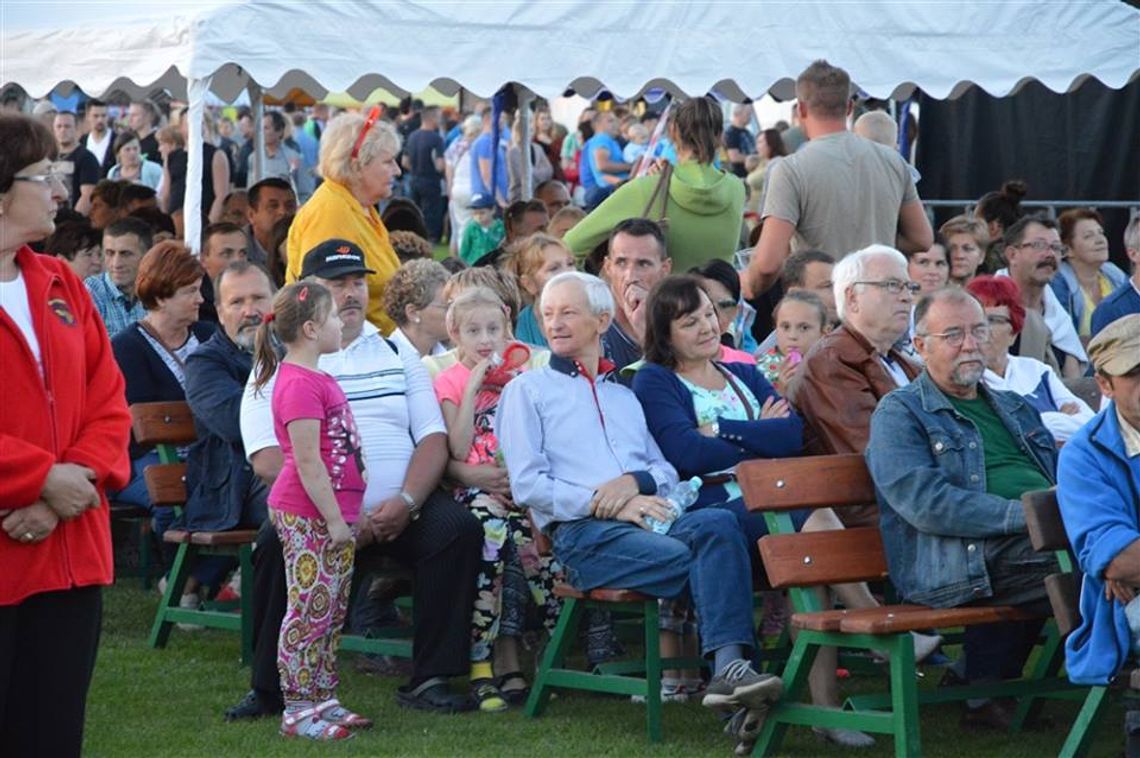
407 516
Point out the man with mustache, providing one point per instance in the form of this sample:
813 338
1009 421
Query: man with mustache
222 490
1033 249
406 516
852 367
950 459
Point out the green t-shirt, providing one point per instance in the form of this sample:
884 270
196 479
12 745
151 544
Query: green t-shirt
1009 471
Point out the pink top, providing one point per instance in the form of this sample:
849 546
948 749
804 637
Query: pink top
732 355
300 393
449 384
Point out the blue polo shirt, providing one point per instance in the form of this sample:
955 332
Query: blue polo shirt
592 176
481 148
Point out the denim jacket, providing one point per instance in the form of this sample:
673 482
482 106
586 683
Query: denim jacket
929 470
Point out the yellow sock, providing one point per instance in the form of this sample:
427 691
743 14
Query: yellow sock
481 670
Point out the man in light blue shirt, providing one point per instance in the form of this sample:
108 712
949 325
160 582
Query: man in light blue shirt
581 458
124 243
602 166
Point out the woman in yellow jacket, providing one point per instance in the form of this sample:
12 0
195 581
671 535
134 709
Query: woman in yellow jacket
358 163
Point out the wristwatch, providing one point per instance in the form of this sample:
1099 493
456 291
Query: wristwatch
413 507
715 426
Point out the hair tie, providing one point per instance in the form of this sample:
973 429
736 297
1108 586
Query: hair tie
268 317
303 294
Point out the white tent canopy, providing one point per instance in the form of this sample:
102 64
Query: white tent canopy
740 49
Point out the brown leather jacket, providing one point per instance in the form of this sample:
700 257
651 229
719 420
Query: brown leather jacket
838 387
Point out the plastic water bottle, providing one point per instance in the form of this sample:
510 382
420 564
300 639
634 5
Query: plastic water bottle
679 498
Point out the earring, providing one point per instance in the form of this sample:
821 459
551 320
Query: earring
416 320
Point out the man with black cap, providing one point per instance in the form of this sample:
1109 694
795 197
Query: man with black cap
407 517
1098 486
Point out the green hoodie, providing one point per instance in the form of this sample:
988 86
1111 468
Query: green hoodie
704 215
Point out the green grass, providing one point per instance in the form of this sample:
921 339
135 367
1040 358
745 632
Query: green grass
169 702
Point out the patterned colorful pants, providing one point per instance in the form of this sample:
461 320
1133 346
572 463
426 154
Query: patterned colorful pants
319 580
512 576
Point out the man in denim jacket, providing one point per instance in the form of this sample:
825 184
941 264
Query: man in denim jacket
950 460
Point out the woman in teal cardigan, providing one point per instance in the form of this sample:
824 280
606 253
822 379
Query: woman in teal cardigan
704 207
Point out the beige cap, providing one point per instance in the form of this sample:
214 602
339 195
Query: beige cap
42 107
1115 350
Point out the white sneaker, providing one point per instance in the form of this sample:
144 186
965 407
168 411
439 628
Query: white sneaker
190 601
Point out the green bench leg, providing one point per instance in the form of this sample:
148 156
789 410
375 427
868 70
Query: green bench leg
904 698
652 672
556 649
1048 664
179 573
796 671
1077 743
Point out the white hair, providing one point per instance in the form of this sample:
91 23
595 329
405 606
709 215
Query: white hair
877 126
598 293
853 268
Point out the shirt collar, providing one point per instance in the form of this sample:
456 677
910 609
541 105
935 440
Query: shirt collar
117 293
574 368
1128 433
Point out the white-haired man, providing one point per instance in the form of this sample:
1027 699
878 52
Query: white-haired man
581 458
854 366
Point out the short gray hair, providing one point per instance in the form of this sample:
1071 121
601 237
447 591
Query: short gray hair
598 293
853 268
877 126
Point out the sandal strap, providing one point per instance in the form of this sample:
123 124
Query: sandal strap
294 718
427 684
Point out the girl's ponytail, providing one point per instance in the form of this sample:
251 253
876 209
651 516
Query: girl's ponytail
264 356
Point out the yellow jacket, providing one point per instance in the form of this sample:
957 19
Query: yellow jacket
333 212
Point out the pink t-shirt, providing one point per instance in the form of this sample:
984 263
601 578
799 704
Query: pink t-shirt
450 384
732 355
300 393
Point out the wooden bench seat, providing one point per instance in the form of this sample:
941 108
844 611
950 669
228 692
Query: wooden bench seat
603 594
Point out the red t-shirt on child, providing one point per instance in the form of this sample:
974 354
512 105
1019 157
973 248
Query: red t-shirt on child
300 393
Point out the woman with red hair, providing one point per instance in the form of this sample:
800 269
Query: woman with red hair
1061 411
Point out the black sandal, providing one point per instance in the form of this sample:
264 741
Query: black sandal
432 695
517 695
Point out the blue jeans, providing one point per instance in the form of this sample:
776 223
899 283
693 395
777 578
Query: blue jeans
704 553
753 523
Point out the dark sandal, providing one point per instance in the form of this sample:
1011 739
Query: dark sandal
517 695
432 695
487 697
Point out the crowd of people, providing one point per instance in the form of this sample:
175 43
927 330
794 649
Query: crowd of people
644 309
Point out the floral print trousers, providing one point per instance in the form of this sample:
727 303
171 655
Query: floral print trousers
319 581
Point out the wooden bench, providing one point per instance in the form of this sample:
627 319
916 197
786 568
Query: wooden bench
802 561
1047 533
614 678
168 426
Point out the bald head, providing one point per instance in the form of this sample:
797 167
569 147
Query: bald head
877 126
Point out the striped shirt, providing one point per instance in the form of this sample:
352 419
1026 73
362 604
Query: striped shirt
391 399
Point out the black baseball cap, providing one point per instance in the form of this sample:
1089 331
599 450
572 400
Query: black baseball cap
334 258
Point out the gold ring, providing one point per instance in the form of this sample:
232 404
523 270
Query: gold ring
28 536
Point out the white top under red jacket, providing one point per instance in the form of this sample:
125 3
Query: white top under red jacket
74 412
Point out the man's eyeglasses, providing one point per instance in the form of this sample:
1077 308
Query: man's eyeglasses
1041 246
956 337
45 178
894 286
373 117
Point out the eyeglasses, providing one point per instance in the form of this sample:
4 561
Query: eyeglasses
957 337
45 179
373 117
1041 246
894 286
995 319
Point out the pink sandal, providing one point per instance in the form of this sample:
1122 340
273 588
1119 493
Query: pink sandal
335 713
308 723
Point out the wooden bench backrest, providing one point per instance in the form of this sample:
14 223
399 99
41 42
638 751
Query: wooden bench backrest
810 559
163 423
821 481
1047 534
166 484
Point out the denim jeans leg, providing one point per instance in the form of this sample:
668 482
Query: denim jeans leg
135 492
720 577
596 553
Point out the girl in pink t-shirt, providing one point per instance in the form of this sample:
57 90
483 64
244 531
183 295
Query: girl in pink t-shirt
314 500
511 572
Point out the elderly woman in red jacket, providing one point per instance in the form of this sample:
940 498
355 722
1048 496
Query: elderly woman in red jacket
64 430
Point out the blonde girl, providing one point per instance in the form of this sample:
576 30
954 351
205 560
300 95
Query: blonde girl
536 260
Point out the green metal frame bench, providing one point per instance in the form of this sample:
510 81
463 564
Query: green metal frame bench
800 562
167 426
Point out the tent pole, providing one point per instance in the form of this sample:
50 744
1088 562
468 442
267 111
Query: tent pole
192 201
525 98
256 102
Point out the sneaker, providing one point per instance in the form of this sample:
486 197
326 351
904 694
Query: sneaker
253 706
487 697
844 737
190 601
739 686
744 728
671 692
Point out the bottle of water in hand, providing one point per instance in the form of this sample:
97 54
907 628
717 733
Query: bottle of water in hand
679 498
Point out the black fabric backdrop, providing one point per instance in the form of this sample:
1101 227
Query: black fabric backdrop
1083 145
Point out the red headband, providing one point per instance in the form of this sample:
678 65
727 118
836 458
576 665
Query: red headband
373 116
268 317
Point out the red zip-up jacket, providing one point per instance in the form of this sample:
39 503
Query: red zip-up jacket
75 412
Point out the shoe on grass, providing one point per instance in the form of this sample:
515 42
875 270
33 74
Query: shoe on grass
487 697
739 686
190 601
253 706
851 738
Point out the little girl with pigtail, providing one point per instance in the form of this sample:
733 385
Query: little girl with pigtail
314 501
